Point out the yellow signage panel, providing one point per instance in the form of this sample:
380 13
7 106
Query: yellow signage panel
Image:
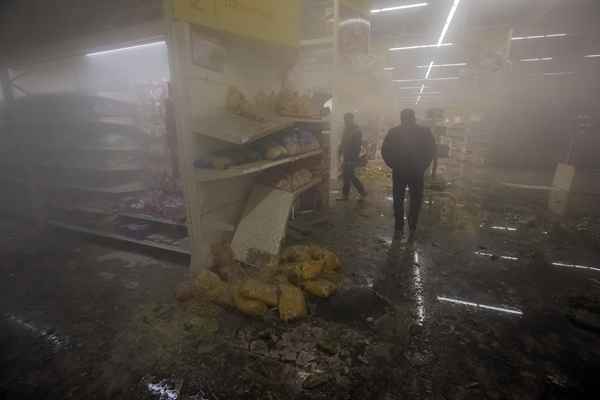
270 20
361 5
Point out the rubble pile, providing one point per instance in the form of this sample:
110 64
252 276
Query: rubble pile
280 283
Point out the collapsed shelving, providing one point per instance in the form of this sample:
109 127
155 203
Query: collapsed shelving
83 163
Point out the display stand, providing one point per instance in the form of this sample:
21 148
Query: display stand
225 205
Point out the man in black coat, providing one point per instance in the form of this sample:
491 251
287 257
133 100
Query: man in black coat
408 150
350 150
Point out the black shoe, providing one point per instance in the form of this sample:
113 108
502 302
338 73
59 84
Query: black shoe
398 234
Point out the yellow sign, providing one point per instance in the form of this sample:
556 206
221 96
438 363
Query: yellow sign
270 20
360 5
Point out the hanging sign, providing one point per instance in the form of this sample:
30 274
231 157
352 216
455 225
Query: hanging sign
360 5
273 21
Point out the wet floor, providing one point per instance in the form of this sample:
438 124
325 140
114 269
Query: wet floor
493 300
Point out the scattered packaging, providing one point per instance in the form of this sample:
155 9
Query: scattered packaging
257 290
320 288
292 304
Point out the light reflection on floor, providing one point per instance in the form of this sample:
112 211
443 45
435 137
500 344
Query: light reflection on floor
485 254
576 266
418 284
482 306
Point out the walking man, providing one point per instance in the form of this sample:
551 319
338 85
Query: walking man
350 151
408 150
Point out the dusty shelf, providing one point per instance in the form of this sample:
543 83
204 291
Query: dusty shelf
207 175
236 129
116 236
118 189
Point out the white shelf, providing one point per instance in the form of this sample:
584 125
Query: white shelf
236 129
119 189
116 236
207 175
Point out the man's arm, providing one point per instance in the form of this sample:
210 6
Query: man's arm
386 150
430 148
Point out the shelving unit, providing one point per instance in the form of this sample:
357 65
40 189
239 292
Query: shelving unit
85 155
207 175
218 201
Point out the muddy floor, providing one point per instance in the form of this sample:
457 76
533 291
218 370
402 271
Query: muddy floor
495 300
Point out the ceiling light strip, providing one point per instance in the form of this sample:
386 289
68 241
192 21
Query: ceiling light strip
464 64
448 22
552 35
450 78
139 46
403 7
536 59
422 46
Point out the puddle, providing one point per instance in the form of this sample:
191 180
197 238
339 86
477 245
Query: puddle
56 341
353 306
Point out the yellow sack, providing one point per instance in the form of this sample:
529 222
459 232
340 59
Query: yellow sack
291 303
250 307
331 261
209 285
320 288
294 254
308 270
257 290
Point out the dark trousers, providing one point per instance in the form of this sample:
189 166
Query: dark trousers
416 186
351 179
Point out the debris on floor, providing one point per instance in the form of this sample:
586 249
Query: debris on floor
253 291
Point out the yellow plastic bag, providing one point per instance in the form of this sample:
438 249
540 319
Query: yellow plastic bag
247 306
256 290
320 288
331 262
308 270
209 285
291 303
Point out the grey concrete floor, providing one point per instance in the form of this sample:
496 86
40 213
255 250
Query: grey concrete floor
490 303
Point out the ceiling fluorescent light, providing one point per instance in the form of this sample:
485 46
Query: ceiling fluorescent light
592 56
389 68
429 70
558 73
448 22
423 46
140 46
409 88
403 7
450 78
444 65
418 100
536 59
553 35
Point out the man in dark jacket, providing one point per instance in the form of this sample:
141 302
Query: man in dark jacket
408 150
350 150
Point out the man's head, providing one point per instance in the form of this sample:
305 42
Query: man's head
349 119
407 117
